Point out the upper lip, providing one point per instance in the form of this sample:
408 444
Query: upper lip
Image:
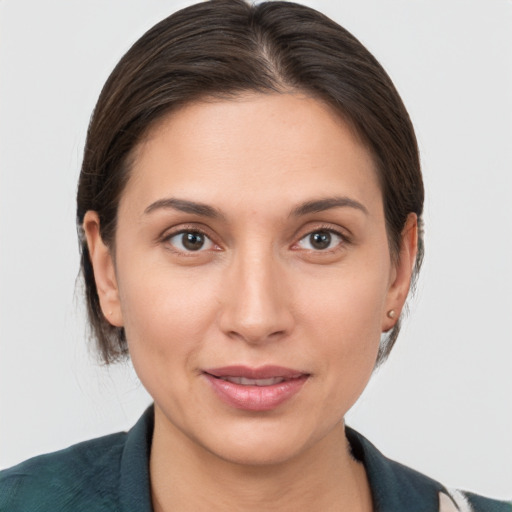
261 372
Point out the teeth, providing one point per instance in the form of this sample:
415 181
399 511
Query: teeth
254 382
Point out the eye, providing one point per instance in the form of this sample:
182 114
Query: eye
190 241
321 240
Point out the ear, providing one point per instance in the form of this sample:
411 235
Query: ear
104 270
402 273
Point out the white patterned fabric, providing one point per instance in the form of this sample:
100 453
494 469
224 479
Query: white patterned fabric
453 501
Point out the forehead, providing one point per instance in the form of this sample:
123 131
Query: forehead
272 145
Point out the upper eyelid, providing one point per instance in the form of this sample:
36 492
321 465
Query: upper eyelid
328 230
344 238
169 233
186 228
344 233
166 240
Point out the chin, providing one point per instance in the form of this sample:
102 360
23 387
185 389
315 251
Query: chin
258 452
265 443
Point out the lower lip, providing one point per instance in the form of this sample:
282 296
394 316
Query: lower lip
255 398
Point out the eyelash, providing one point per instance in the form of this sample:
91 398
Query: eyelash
191 231
344 240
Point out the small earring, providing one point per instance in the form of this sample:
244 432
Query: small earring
391 313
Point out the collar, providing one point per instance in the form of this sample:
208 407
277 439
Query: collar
134 486
394 487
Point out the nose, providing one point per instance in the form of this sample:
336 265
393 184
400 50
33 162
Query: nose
256 305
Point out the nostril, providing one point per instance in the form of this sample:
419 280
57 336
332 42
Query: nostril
253 336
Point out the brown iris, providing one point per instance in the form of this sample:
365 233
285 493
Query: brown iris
192 241
320 240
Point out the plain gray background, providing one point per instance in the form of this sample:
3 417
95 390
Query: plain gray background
442 403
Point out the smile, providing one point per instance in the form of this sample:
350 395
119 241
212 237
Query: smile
243 381
255 389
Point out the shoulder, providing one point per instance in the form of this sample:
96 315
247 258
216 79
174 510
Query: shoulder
399 488
82 477
411 482
483 504
108 474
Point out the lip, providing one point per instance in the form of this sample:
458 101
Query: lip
252 397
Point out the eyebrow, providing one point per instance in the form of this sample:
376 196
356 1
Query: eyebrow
205 210
183 205
321 205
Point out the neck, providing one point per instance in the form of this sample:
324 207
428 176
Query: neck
324 477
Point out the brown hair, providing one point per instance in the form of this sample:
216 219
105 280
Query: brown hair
221 48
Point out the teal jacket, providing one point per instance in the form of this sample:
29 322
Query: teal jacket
110 474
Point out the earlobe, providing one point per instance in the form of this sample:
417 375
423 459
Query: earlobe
402 275
104 270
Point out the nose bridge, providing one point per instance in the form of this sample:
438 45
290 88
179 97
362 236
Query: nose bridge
256 307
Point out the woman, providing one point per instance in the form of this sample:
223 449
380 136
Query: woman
249 210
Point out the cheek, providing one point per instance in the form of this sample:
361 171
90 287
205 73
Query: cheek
346 323
350 302
349 332
166 314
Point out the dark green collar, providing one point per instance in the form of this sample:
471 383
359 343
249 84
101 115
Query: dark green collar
134 485
394 487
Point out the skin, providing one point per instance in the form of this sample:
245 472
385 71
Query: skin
258 292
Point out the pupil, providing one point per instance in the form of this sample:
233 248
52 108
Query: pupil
193 241
320 240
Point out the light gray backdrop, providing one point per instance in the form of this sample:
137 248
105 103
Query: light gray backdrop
442 404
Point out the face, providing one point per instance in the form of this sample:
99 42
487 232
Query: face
252 274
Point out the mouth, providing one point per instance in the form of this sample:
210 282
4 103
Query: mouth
244 381
255 389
